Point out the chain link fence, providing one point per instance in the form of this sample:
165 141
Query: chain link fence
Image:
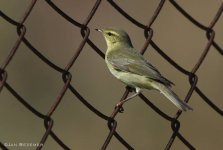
68 85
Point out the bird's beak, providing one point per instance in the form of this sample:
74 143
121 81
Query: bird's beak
99 30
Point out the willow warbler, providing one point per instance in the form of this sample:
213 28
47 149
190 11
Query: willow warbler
129 66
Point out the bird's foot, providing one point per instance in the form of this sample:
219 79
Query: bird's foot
119 106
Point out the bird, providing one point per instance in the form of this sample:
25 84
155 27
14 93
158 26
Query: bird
128 65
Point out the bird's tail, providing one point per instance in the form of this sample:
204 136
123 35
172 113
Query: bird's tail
168 93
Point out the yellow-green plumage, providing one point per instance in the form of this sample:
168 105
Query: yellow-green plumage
129 66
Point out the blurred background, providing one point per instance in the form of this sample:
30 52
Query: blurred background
139 125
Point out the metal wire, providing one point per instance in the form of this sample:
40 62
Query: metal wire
67 76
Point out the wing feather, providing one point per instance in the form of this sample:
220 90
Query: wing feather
133 62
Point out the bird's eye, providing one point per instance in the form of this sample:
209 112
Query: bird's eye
109 33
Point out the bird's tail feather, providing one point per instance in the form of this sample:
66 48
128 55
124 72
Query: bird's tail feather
168 93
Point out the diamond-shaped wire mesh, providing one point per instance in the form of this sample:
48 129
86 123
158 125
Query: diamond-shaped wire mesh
78 109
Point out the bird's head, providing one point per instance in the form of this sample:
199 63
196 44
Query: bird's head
115 37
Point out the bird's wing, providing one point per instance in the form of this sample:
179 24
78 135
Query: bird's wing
133 62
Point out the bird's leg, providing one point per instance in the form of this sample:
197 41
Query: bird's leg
128 98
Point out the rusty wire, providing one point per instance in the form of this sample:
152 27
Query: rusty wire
67 76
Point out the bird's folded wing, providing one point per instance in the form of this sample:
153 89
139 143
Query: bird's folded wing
136 64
